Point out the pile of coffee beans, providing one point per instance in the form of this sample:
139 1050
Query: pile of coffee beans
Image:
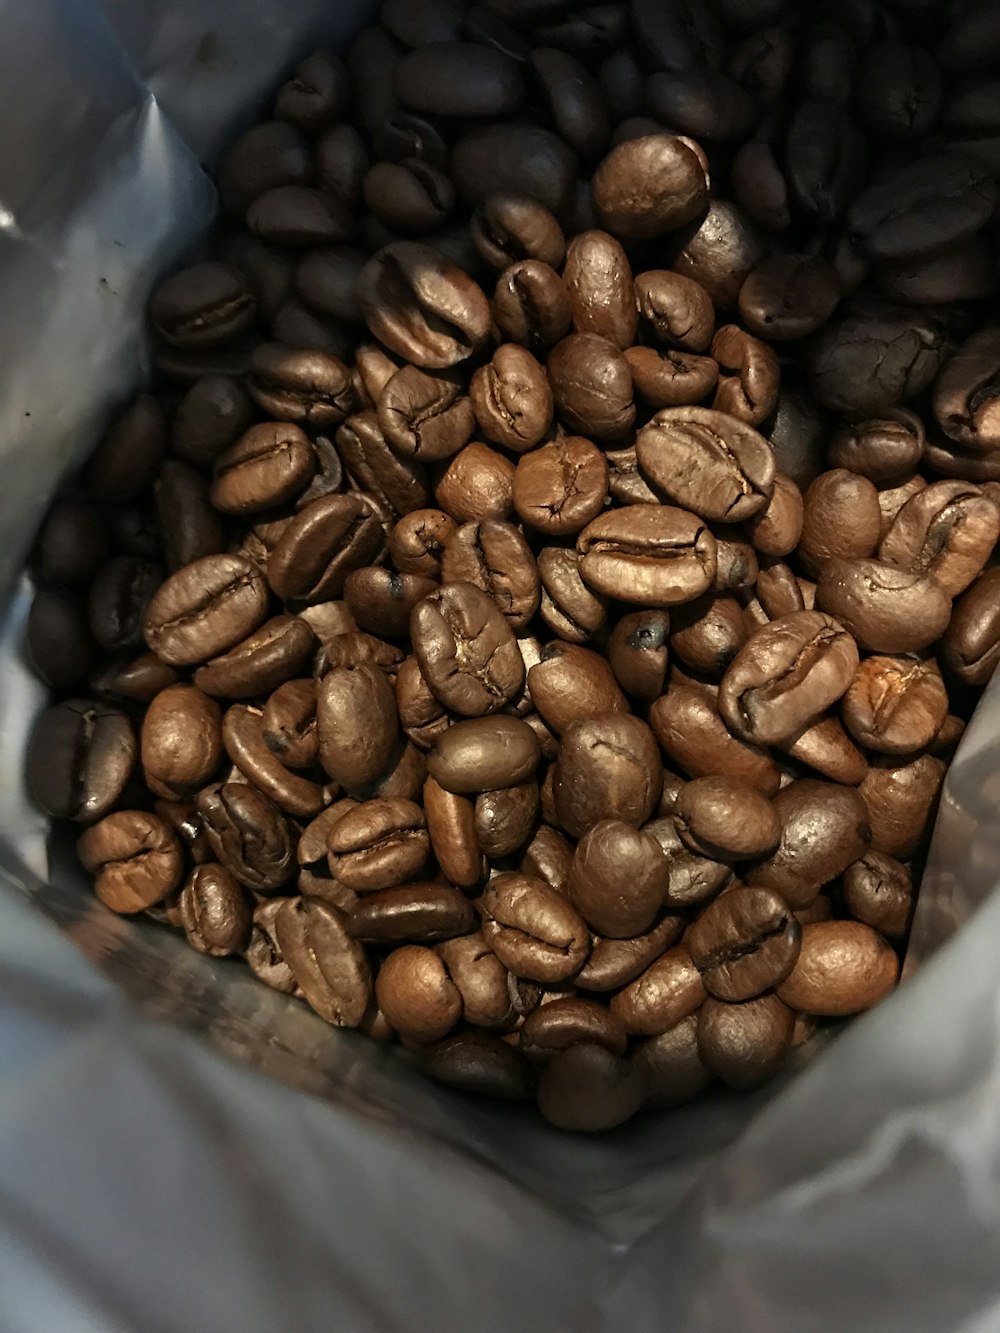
530 614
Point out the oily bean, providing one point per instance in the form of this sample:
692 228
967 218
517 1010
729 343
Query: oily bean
481 979
321 545
878 891
422 307
648 186
588 1088
965 393
886 609
971 645
708 462
776 530
268 465
687 724
678 311
382 600
665 377
760 187
744 943
426 417
358 724
692 879
298 216
608 768
329 967
726 819
572 98
73 543
649 555
564 1022
119 598
215 912
191 528
786 676
592 386
248 834
418 542
451 826
260 662
263 953
895 705
459 79
305 385
531 305
618 879
548 856
744 1044
505 818
672 1067
881 450
204 609
902 800
416 994
841 519
532 929
663 995
720 252
638 654
561 487
411 196
135 858
466 650
749 375
824 828
788 296
181 741
479 755
139 679
478 483
614 963
509 226
243 738
826 747
202 306
570 683
843 967
479 1063
80 758
288 724
514 156
947 530
495 557
601 290
378 844
708 633
511 399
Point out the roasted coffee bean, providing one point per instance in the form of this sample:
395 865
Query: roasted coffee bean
638 654
588 1088
215 912
480 977
779 591
744 943
248 834
466 650
720 252
202 306
411 196
824 829
308 386
971 645
692 879
678 311
881 450
871 359
288 724
826 747
665 377
789 296
687 724
510 226
211 417
568 607
965 394
744 1044
841 519
843 967
451 825
181 741
625 483
608 768
708 633
886 609
561 487
261 662
902 800
417 995
531 305
505 818
459 79
80 758
511 399
317 94
572 98
120 596
614 963
514 156
140 679
749 375
378 844
737 567
73 543
480 755
895 705
601 291
243 738
329 967
479 1063
776 530
570 683
726 819
382 600
649 555
532 929
358 724
618 879
672 1067
135 859
708 462
567 1021
422 307
663 995
423 416
191 528
495 557
646 187
947 530
878 891
265 156
592 386
321 545
297 216
263 953
418 541
786 676
478 483
268 465
205 608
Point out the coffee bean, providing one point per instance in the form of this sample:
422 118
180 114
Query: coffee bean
687 724
720 251
510 226
895 705
649 186
511 398
601 290
358 724
418 541
902 214
726 819
971 645
678 310
451 826
120 596
181 741
788 296
708 633
692 879
561 487
505 818
744 1044
672 1067
411 196
649 555
946 530
378 844
570 684
878 891
329 967
321 545
824 829
466 650
608 768
588 1088
417 995
638 654
749 375
480 977
708 462
478 483
73 542
618 879
869 361
826 747
243 738
459 79
135 858
495 557
902 800
297 216
663 995
886 609
744 943
205 608
248 834
881 450
317 94
80 758
592 386
479 755
140 679
842 968
532 929
304 385
531 305
965 397
261 662
202 306
215 912
514 156
423 416
479 1063
565 1022
191 528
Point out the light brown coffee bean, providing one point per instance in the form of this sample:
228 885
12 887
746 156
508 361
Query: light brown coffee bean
532 929
843 967
663 995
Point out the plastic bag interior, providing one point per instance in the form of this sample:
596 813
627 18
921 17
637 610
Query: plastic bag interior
883 1156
